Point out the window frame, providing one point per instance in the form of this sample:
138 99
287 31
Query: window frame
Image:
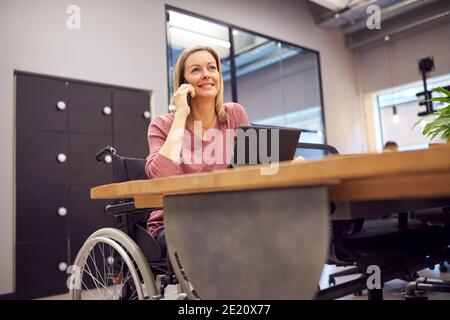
230 27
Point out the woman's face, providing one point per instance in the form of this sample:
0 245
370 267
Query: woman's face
201 71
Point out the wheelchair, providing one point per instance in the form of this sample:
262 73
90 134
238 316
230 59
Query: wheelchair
125 262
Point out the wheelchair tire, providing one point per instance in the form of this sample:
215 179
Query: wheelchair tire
135 252
126 274
104 271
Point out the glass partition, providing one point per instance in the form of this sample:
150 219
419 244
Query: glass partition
278 83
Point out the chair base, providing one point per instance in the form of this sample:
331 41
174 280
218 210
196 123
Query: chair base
427 285
394 272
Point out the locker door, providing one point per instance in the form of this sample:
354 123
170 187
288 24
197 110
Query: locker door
84 168
42 157
129 146
131 120
40 269
41 103
131 112
90 109
87 215
41 213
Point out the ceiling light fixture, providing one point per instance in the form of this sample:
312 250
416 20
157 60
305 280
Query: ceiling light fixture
395 116
200 36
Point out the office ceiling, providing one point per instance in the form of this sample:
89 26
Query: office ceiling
399 18
336 5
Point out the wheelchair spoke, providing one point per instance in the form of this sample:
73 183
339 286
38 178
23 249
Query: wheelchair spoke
97 272
104 283
120 273
90 273
109 273
134 293
106 265
93 278
104 286
104 262
96 281
88 291
108 268
113 282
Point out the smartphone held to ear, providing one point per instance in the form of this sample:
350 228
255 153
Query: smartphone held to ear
189 97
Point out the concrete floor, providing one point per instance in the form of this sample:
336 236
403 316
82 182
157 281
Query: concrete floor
392 289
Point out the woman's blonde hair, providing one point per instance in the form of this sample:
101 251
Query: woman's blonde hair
178 77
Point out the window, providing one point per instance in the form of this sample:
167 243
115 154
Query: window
397 109
276 82
184 31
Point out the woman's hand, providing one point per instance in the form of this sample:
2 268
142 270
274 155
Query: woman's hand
298 159
180 100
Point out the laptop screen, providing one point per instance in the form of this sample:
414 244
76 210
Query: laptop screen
264 144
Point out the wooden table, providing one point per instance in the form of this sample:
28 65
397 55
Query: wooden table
239 234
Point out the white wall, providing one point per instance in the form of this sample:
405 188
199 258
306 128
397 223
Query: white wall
374 73
402 132
122 42
405 54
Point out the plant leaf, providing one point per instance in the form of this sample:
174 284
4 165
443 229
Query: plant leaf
439 99
443 91
440 122
438 125
424 117
445 112
443 130
428 127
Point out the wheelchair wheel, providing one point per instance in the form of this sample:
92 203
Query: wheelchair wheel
110 266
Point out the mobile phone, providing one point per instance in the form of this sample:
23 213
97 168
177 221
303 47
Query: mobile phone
189 97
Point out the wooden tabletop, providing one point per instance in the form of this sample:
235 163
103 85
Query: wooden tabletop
383 176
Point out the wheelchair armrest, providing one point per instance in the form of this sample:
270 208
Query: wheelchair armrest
126 207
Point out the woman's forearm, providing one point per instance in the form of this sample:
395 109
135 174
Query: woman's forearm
172 146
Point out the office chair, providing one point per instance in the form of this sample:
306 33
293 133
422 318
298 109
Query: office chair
415 290
395 245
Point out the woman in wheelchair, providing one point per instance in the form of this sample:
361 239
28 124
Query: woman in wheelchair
179 142
196 136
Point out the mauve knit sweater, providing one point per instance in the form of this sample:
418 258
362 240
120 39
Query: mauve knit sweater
197 155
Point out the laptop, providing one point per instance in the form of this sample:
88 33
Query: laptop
258 144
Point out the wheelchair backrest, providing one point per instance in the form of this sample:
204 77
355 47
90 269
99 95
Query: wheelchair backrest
124 168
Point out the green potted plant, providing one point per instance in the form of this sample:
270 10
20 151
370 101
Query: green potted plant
440 126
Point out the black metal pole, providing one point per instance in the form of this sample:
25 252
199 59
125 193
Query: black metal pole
427 96
234 95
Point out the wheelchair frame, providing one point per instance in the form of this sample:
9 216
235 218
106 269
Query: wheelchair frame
141 254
